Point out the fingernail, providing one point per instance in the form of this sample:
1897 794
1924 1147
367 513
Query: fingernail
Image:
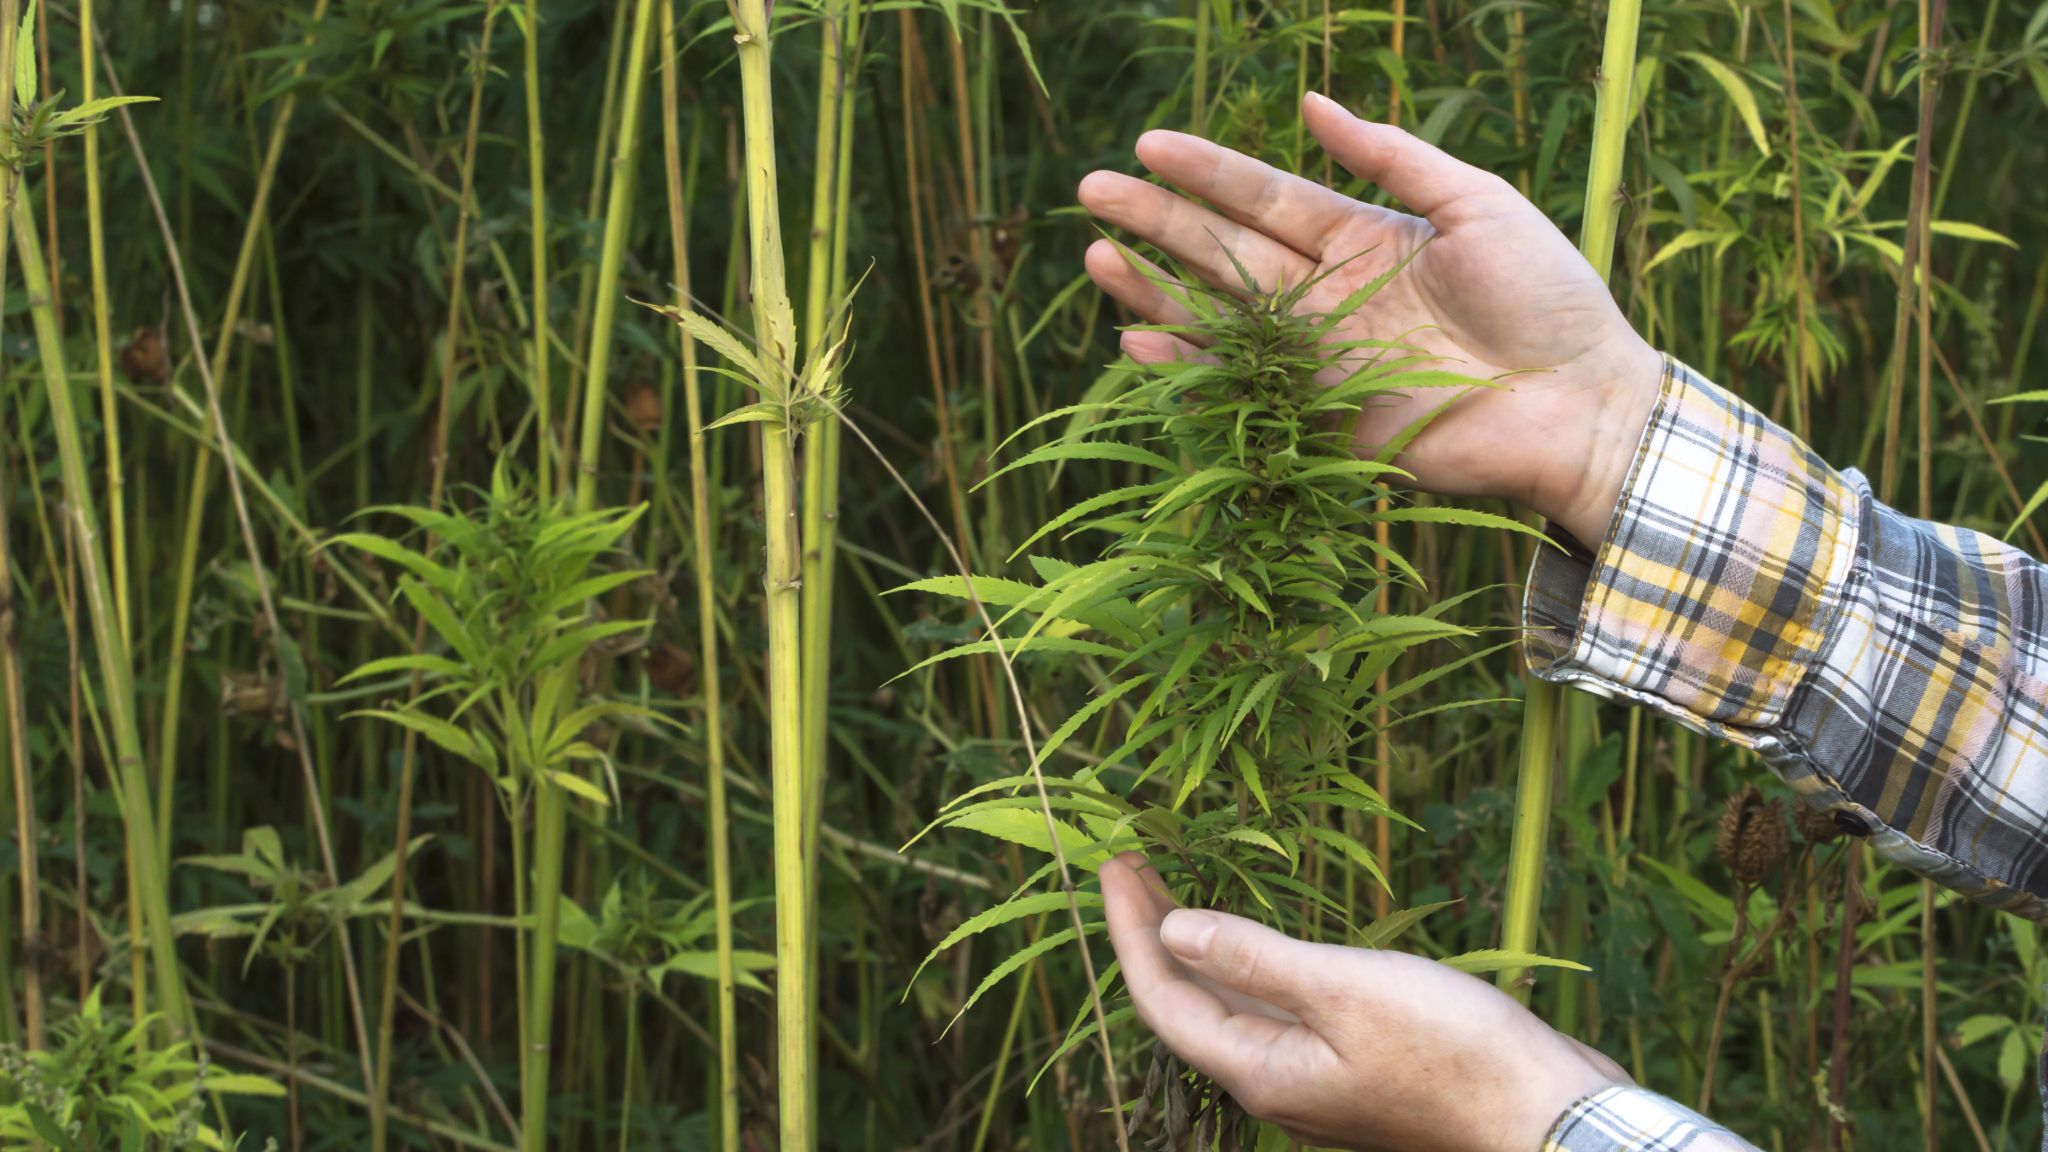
1322 101
1187 932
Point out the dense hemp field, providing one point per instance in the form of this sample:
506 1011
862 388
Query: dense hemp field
488 491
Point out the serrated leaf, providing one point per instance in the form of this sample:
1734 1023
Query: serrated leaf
1004 913
25 58
445 735
242 1084
1395 924
1498 959
1466 517
765 412
1962 230
1739 94
1012 963
577 785
1026 827
1104 450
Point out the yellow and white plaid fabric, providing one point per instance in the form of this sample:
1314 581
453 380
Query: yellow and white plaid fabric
1638 1120
1894 672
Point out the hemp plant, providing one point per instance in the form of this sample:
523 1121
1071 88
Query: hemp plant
102 1084
508 591
1230 628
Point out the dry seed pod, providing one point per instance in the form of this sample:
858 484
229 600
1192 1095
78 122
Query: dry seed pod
643 407
672 669
1816 825
145 359
1752 838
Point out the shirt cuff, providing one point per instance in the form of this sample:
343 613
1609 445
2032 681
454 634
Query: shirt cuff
1638 1120
1717 587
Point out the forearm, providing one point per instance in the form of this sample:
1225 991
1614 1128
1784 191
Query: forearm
1893 672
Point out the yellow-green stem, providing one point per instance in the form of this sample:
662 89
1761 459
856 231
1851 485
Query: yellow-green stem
550 804
707 608
197 493
824 302
774 330
117 674
103 342
537 195
1540 707
437 464
617 223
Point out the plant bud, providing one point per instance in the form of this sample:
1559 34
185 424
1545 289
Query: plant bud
643 407
145 359
1816 825
1752 837
672 670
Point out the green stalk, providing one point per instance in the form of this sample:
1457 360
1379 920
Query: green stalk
103 342
1540 706
197 495
550 804
535 1056
618 222
387 1006
117 671
537 193
824 299
774 328
728 1091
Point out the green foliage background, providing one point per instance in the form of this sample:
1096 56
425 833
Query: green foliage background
972 321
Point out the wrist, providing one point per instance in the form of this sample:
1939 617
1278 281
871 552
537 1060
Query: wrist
1585 478
1548 1093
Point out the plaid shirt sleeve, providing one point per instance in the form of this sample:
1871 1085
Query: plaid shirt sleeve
1631 1119
1893 671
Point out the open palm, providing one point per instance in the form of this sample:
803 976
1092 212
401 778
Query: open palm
1497 290
1343 1047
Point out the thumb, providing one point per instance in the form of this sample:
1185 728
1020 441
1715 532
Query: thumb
1424 177
1250 958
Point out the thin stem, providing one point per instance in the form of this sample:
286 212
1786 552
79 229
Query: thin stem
702 559
117 674
1540 707
537 194
437 463
103 343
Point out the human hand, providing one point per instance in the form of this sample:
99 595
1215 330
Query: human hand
1342 1047
1497 290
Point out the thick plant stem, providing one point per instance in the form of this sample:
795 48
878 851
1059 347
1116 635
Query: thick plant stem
550 809
103 342
775 348
1531 829
825 301
618 221
117 672
437 466
1540 706
535 1055
198 499
716 818
1913 273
